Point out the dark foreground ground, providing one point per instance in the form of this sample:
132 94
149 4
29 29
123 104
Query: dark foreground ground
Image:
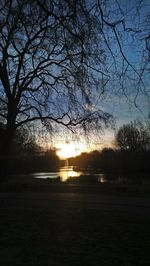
74 229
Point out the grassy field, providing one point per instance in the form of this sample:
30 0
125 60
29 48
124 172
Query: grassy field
65 236
73 237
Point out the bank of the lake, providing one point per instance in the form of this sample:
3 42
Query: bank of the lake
69 180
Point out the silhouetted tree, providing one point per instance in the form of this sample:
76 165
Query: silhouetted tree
24 143
56 55
2 135
48 56
56 58
134 136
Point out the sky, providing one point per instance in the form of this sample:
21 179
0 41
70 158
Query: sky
114 77
128 106
122 106
123 114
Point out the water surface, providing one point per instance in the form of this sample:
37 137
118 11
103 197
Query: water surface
68 173
64 174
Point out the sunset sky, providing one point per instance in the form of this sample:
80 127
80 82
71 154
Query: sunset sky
131 106
123 114
78 64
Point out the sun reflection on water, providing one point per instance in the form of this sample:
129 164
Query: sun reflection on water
67 172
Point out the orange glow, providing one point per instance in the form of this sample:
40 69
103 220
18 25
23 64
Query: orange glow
71 149
67 172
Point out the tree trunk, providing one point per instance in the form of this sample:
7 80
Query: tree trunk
6 145
5 155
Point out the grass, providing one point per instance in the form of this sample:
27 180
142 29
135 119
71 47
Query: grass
73 238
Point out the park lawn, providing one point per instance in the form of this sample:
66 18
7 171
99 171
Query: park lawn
73 237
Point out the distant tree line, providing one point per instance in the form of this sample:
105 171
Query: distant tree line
131 155
43 162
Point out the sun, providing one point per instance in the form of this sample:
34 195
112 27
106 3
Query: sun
71 149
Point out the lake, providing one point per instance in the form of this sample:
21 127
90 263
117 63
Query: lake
69 173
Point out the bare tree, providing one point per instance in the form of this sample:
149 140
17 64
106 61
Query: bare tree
50 64
56 58
126 33
134 137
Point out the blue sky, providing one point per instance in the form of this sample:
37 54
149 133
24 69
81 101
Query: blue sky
128 92
127 44
121 98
